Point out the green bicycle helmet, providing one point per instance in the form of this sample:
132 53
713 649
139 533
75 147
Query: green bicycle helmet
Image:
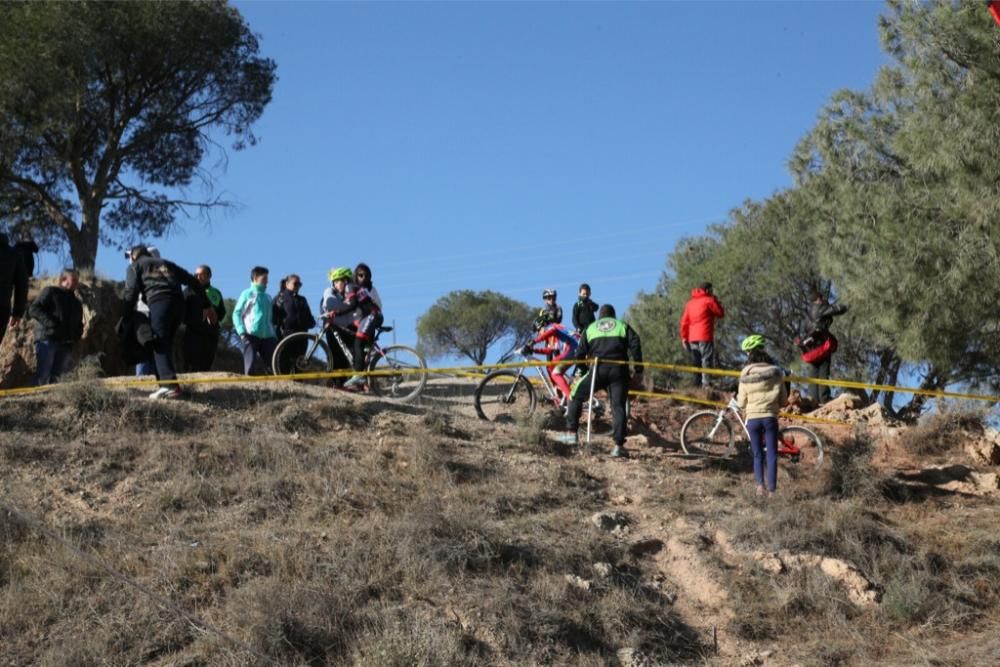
752 342
342 273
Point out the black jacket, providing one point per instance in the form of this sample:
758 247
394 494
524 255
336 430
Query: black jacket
58 315
27 250
612 339
157 279
291 313
821 316
583 314
13 281
194 311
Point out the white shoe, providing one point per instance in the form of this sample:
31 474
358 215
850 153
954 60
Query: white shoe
160 393
355 381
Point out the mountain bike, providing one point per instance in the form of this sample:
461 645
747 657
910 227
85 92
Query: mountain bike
509 394
307 352
710 433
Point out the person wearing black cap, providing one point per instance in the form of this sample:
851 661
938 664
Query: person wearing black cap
158 282
13 283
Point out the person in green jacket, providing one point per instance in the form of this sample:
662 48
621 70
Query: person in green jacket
252 321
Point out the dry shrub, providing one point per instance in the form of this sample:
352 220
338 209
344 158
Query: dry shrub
849 473
942 433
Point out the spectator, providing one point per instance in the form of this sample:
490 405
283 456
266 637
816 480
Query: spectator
292 315
698 329
583 310
819 344
27 248
143 332
158 282
58 316
606 339
761 394
201 337
13 283
334 297
252 320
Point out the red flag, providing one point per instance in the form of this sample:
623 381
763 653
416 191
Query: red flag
994 7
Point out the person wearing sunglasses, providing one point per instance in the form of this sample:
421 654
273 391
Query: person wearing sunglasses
292 313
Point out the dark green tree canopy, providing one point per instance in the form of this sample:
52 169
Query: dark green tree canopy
467 323
107 110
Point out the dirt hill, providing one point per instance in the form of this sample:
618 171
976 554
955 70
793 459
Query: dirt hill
289 525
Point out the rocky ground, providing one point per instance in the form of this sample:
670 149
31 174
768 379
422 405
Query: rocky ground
286 524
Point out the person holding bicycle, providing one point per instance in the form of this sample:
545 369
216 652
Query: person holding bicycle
760 396
607 339
334 297
558 345
364 302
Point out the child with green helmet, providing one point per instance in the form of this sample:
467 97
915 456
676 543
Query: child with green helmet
760 396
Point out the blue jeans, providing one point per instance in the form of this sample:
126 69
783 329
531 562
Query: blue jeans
53 360
764 433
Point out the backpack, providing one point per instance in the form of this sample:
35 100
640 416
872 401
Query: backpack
818 346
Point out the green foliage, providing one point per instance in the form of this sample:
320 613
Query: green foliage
896 211
467 323
106 111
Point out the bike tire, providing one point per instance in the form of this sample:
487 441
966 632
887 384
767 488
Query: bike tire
504 396
809 445
314 357
404 386
701 437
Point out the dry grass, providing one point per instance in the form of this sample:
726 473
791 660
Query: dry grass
942 433
312 531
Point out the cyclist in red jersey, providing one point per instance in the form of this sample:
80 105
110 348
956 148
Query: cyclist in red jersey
558 345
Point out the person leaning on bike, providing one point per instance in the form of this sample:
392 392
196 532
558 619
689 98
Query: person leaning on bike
761 395
607 339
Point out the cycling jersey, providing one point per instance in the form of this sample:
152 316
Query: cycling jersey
559 345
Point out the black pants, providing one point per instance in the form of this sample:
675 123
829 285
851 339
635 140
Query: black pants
165 318
200 345
820 393
4 321
337 355
612 377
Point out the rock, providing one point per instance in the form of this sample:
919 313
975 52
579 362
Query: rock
630 657
635 441
646 547
985 449
603 570
610 521
578 582
621 500
860 590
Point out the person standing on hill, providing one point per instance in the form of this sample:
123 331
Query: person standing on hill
58 317
698 329
583 310
761 395
158 282
252 321
292 315
819 345
27 248
201 337
613 340
13 283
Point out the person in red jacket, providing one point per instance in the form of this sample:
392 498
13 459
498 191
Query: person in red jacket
698 328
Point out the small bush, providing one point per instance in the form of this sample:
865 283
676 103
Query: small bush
942 433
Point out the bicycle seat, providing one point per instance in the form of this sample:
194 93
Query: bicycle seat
384 329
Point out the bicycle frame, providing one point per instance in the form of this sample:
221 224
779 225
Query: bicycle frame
373 351
785 448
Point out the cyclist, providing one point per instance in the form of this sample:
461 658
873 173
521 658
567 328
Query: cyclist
760 396
550 313
364 302
606 339
334 297
558 345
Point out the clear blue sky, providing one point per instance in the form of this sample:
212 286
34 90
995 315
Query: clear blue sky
515 146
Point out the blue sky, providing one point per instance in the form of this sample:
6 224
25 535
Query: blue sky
514 146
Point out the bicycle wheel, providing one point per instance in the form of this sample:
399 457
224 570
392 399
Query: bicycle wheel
707 433
810 447
504 396
302 353
403 386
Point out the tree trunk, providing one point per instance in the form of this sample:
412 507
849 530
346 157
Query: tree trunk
83 245
935 380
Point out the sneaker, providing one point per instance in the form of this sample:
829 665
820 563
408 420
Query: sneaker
355 381
167 392
619 453
568 439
